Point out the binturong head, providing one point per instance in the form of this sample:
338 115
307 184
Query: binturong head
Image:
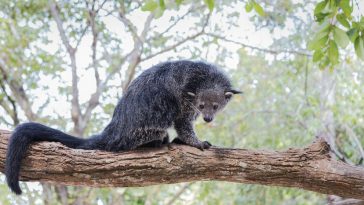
210 101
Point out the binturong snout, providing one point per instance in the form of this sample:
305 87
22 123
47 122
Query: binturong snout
208 118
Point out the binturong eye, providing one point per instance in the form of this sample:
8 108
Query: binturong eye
215 107
201 106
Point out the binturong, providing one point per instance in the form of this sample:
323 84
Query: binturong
169 94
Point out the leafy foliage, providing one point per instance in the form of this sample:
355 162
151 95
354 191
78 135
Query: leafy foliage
337 27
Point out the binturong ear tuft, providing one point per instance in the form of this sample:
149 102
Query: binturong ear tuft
191 94
235 91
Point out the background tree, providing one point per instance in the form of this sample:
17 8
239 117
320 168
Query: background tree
66 63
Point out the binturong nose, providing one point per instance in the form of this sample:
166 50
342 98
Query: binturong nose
207 118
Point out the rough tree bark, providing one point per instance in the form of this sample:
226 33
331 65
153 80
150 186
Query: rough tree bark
309 168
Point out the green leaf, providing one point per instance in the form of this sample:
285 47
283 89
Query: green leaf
333 52
258 9
325 27
150 5
343 21
345 6
361 23
317 55
359 47
324 31
319 7
210 4
324 63
341 37
321 16
179 2
353 34
162 5
317 43
249 7
356 25
158 12
320 12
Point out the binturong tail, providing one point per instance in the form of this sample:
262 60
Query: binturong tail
21 138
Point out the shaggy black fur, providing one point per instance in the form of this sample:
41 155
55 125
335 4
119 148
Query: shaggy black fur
168 94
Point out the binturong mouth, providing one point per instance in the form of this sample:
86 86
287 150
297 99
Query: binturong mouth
208 119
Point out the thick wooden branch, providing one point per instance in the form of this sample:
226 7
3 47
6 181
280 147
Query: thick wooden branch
309 168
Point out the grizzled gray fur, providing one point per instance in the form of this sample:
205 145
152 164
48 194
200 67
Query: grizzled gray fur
168 94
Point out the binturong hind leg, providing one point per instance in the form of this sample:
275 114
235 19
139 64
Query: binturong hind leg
151 138
157 143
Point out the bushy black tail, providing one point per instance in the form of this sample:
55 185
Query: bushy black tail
22 137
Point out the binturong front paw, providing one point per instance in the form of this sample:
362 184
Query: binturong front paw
204 145
195 143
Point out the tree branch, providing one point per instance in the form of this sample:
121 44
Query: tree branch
336 200
13 110
354 138
95 34
94 99
179 18
180 42
134 58
14 81
84 31
132 28
179 193
17 91
76 109
309 168
55 14
274 52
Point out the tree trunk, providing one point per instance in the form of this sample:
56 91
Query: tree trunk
310 168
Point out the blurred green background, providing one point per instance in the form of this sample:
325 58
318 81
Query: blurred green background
84 53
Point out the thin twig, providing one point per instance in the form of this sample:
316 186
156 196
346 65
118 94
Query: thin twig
353 136
17 91
179 43
95 33
12 112
174 23
135 56
128 23
81 36
357 5
179 193
274 52
306 77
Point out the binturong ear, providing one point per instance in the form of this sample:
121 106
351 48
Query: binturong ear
230 93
